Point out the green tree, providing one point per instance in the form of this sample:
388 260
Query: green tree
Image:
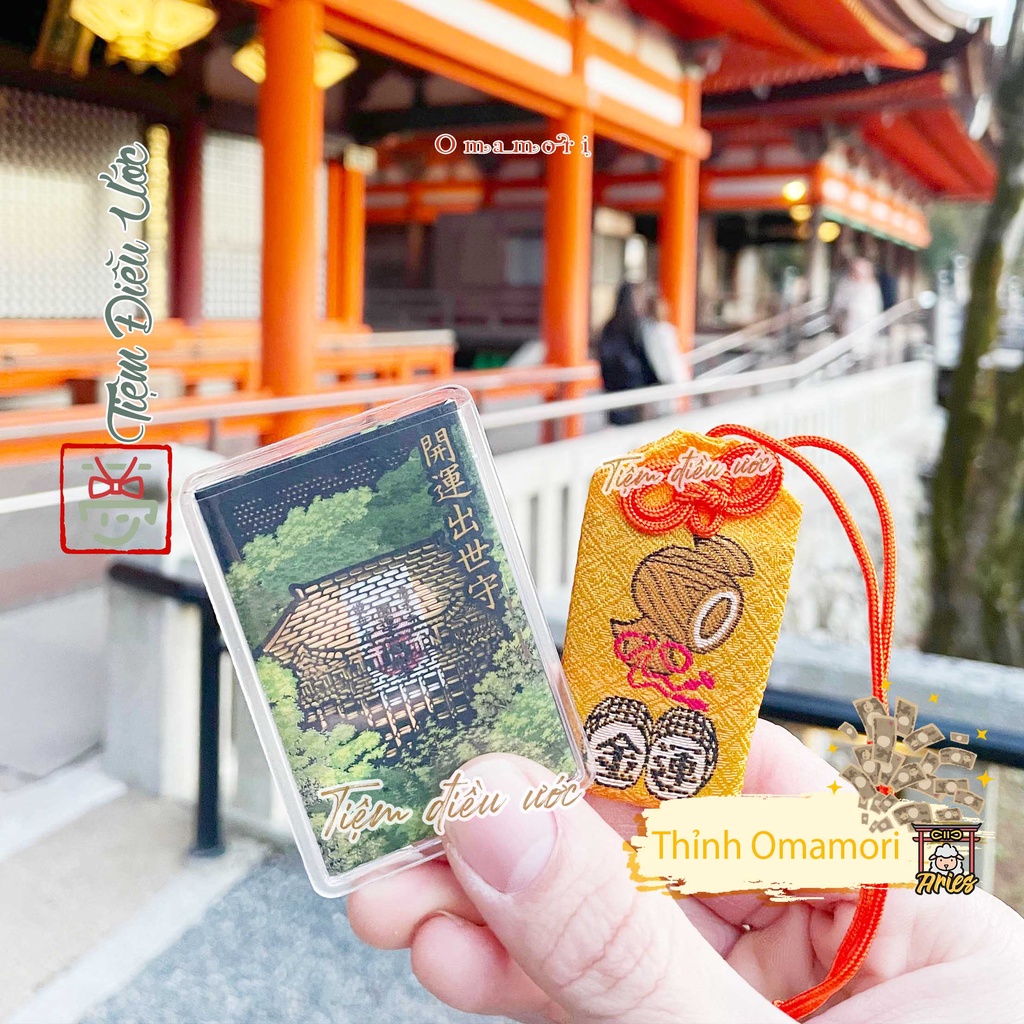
321 760
977 534
330 533
403 508
318 759
955 228
327 536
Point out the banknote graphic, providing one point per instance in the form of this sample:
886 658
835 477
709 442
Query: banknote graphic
866 707
849 732
906 717
968 799
956 756
907 813
926 736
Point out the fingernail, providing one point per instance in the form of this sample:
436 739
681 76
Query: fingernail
508 850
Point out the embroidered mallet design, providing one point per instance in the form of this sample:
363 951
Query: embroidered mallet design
691 596
690 601
618 735
684 753
679 753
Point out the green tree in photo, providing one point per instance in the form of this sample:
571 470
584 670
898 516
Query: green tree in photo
330 534
402 506
318 759
513 710
345 754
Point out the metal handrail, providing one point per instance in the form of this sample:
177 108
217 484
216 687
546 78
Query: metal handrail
209 842
1002 746
753 332
215 412
42 499
791 374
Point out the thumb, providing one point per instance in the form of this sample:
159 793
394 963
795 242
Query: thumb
555 889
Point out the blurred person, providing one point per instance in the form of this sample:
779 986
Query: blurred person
661 346
856 303
535 916
889 288
624 361
795 292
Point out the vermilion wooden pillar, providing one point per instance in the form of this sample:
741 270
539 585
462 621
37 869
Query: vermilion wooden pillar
567 227
187 220
291 129
677 229
346 239
677 244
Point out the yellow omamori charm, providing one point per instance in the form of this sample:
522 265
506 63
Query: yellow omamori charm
680 586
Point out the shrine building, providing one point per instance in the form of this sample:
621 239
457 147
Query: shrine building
329 212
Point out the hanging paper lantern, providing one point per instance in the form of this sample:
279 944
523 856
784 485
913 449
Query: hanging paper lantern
331 63
146 33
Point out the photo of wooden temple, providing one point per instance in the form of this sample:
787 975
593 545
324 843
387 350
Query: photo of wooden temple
371 645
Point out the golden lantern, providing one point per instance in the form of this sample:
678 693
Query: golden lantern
801 212
145 33
793 191
332 61
828 230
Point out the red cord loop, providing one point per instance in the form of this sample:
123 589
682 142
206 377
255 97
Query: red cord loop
881 614
703 505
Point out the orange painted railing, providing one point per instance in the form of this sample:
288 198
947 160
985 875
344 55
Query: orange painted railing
41 354
37 434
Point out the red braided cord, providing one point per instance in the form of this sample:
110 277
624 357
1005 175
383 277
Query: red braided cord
888 537
871 901
701 505
875 616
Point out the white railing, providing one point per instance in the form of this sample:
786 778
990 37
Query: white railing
215 411
754 334
42 499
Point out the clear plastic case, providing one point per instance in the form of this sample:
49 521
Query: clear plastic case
381 618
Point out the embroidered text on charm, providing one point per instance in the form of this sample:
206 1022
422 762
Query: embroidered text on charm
694 490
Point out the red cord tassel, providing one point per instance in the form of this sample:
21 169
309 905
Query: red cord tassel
881 614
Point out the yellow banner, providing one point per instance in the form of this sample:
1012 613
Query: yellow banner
778 844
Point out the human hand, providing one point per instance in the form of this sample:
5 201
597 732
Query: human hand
535 916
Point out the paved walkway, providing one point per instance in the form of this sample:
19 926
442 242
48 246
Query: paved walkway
271 950
107 920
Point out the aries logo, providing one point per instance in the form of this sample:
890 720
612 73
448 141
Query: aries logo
942 846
